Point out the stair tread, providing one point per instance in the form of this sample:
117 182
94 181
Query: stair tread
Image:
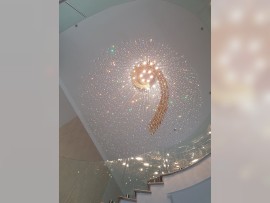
156 183
128 199
142 191
167 174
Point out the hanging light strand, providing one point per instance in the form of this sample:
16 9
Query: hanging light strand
144 75
163 104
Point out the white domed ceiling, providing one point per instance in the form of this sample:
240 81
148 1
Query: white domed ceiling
98 57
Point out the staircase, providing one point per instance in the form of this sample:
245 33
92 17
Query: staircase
161 189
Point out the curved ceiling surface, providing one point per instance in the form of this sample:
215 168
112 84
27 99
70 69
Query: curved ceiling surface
97 57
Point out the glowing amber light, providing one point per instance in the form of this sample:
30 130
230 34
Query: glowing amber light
144 76
141 75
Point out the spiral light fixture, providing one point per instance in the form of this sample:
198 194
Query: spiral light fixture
143 76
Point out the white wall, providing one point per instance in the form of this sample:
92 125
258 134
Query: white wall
66 112
199 193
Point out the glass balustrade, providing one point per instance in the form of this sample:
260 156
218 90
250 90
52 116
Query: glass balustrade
84 181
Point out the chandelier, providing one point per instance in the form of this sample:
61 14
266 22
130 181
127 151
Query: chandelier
144 75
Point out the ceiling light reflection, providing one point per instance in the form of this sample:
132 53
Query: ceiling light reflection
194 161
146 164
139 158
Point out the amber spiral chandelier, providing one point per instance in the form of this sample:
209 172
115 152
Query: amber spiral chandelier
144 75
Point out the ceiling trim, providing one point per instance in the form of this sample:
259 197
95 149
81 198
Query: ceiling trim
82 14
62 1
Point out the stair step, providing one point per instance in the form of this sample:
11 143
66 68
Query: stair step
158 180
127 199
156 183
168 174
142 191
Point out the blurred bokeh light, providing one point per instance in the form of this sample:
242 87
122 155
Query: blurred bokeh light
240 100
